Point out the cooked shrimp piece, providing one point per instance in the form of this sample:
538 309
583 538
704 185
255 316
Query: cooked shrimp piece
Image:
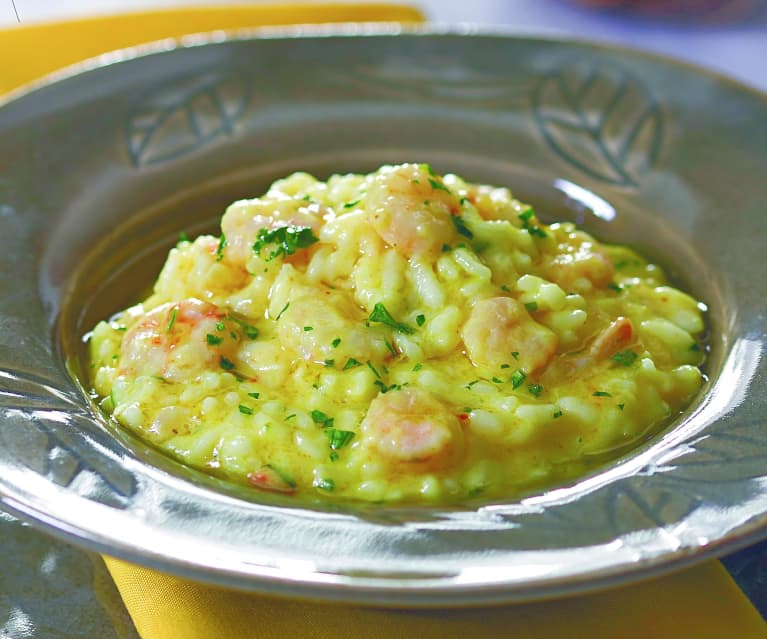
411 210
177 341
244 219
267 478
329 326
500 326
412 426
617 336
579 264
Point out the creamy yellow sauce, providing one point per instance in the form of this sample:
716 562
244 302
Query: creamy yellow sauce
398 336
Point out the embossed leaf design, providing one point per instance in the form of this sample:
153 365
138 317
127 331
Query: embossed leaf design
47 431
172 121
600 120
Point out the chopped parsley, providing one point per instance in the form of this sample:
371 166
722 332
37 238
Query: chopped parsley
446 248
390 347
497 380
336 342
351 363
220 326
251 332
461 227
373 368
558 414
183 237
245 410
213 340
308 328
615 287
515 354
601 394
505 365
526 217
464 201
420 320
286 240
172 319
385 389
349 205
417 367
531 307
254 395
284 308
627 357
222 243
621 406
318 417
505 288
330 363
535 389
470 384
381 315
438 186
226 364
517 378
324 484
425 166
339 438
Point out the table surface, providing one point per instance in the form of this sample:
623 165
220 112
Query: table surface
51 590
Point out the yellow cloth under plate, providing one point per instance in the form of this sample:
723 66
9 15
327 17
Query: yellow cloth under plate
29 52
698 603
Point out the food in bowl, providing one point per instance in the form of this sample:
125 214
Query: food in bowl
398 336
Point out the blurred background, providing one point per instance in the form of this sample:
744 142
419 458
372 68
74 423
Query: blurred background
729 36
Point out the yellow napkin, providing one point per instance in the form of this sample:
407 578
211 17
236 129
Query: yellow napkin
29 52
697 603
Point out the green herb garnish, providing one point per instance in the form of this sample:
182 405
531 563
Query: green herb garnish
535 389
254 395
373 368
336 342
381 315
284 308
324 484
183 237
245 410
515 354
557 414
339 438
531 307
517 378
390 347
213 340
349 205
308 328
615 287
417 367
226 364
438 186
222 243
330 363
318 417
286 239
627 357
420 320
601 394
461 227
351 363
172 319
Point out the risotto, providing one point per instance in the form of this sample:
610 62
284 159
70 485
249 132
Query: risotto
398 336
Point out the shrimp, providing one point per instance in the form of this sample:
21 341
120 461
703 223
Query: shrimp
177 341
244 219
579 265
615 337
411 210
320 328
412 426
499 329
